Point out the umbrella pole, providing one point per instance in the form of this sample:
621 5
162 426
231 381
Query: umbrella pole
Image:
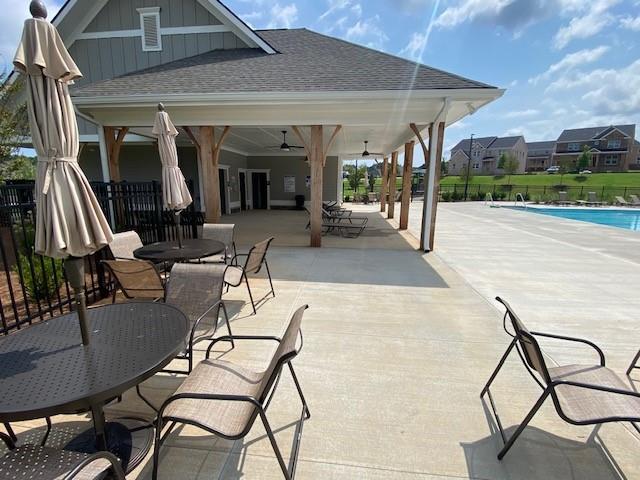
178 227
74 269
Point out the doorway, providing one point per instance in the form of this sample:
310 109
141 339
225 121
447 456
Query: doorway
223 191
242 178
259 190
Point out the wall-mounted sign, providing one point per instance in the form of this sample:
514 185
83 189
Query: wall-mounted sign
289 184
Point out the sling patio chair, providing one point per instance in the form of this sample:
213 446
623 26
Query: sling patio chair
224 233
563 199
635 200
591 201
124 244
225 399
347 226
44 463
136 279
196 290
256 258
620 201
586 394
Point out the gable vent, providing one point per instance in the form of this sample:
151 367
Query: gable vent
150 25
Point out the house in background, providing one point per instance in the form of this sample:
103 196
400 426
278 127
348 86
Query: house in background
612 148
540 155
486 153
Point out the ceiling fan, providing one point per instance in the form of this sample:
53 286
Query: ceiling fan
366 154
285 147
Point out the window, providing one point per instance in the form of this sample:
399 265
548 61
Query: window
614 143
611 160
476 166
573 147
150 26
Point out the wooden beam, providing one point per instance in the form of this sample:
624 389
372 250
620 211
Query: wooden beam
436 184
114 138
407 173
316 161
334 135
425 152
211 182
218 145
192 137
392 185
298 133
384 184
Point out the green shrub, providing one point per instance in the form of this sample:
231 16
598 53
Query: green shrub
44 280
446 196
347 198
457 196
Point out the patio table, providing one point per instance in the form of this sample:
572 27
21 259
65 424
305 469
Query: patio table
192 249
45 370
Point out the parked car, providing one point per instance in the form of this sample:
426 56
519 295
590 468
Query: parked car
585 172
553 169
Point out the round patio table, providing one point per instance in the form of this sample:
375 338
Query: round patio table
45 370
192 249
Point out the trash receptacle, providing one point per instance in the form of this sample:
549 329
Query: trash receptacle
299 202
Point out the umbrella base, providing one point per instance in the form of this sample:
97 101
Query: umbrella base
130 439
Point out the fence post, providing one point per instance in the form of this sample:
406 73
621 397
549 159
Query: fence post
603 189
544 190
625 192
157 200
581 191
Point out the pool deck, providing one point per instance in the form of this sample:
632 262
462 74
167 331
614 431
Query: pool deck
398 346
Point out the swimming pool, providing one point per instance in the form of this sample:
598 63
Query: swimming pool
627 219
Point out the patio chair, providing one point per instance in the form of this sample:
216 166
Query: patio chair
563 199
124 244
136 279
589 394
196 289
225 399
621 201
224 233
635 200
256 258
44 463
373 197
592 200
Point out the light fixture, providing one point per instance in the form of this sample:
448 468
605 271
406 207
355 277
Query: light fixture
366 151
285 145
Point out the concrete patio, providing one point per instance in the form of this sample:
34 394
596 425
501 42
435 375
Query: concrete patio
397 348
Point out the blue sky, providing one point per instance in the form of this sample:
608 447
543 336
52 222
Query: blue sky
564 63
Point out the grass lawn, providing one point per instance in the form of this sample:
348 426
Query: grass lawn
595 179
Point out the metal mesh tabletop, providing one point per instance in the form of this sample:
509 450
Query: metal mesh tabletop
45 369
170 251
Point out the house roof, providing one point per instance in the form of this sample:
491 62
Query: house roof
506 142
305 61
545 145
593 133
464 144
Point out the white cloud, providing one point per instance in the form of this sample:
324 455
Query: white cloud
469 10
530 112
416 46
334 6
571 61
596 18
631 23
357 10
368 31
283 16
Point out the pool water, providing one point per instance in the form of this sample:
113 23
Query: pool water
627 219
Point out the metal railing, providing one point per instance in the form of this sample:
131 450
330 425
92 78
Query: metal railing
32 287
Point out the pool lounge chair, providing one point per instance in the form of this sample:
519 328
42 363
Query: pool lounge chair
589 394
635 201
563 199
591 201
621 201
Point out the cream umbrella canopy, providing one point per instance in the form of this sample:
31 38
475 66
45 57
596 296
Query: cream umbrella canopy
69 221
175 192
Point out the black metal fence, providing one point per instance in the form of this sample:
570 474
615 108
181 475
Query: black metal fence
33 287
541 193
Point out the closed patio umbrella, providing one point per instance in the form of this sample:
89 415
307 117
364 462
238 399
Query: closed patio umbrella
175 193
69 221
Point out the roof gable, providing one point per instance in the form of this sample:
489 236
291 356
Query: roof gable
506 142
484 142
594 133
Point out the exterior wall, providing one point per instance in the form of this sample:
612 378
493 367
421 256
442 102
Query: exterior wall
457 161
284 166
234 161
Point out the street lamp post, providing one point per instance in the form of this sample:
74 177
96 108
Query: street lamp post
466 183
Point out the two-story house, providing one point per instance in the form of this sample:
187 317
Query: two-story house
486 153
540 155
612 148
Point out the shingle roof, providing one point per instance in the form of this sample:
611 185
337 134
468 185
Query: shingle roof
506 142
306 61
579 134
545 145
464 144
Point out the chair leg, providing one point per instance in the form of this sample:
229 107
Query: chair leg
634 363
10 432
226 319
274 445
246 279
156 448
523 425
46 434
307 414
500 364
273 292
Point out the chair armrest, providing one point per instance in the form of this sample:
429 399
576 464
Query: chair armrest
207 396
115 465
575 340
238 255
600 388
228 338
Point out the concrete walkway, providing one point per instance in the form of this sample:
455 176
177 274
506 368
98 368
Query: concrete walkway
397 348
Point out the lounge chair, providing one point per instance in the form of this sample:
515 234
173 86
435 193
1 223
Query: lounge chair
225 233
225 399
136 279
196 289
256 258
346 226
591 201
37 462
621 201
373 197
563 199
589 394
635 200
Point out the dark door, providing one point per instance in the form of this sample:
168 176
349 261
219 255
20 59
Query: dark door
243 191
259 181
223 192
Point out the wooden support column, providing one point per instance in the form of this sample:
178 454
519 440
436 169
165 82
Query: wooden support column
425 152
435 193
113 139
209 157
407 172
316 163
393 173
384 184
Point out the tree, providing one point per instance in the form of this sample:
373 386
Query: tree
355 177
502 160
584 160
564 167
466 174
13 119
18 167
510 166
